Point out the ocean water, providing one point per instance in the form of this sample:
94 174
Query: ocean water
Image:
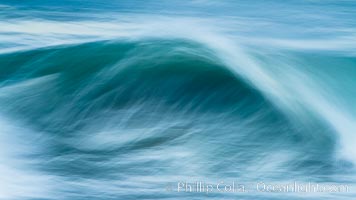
157 99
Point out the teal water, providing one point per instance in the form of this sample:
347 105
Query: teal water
133 99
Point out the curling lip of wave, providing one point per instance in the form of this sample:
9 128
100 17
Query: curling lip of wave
41 33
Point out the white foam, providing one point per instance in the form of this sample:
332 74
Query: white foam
18 178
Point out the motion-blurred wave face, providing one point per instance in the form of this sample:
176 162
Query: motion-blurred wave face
171 99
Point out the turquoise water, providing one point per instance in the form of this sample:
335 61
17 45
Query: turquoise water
148 99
